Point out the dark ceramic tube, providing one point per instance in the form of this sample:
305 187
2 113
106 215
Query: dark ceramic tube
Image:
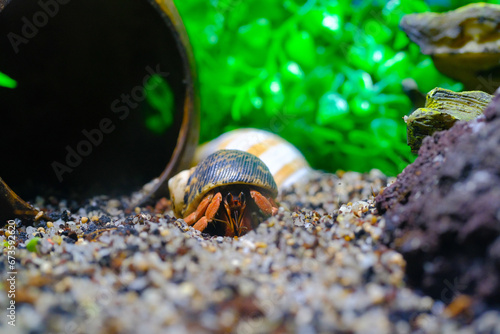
75 124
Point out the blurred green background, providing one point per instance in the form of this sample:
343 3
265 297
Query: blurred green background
326 75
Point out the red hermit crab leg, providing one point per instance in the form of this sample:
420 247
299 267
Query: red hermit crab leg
212 209
263 203
200 210
241 213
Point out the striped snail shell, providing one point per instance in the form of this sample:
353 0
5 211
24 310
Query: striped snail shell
221 169
177 187
285 162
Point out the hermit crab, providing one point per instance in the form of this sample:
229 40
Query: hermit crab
228 193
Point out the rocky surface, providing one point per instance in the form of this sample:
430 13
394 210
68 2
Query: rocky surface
443 212
319 266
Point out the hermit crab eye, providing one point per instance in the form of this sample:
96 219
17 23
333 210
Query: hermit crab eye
242 197
229 198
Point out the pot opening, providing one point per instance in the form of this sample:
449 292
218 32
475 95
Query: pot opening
99 96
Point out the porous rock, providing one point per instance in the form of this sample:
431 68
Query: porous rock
443 211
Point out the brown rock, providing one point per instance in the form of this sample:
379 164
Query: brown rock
443 212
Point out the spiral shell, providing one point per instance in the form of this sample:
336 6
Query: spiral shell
224 168
442 109
285 162
177 187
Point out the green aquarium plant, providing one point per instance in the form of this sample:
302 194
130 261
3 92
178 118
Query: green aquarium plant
6 81
160 99
325 75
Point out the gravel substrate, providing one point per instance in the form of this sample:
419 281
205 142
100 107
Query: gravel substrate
317 267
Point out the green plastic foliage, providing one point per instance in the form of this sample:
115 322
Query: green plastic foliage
6 81
160 97
445 5
325 75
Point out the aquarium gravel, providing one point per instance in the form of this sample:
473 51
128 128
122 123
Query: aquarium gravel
320 268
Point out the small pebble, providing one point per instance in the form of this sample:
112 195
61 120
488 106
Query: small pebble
57 239
39 215
458 306
260 245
